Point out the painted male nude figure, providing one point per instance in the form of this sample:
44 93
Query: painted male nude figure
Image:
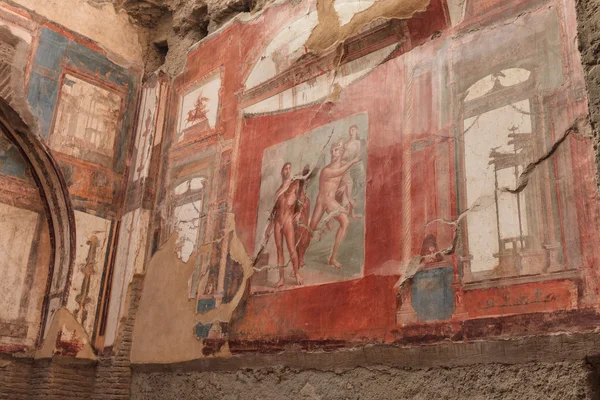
283 223
329 183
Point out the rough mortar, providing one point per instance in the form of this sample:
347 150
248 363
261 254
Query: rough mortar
495 381
588 18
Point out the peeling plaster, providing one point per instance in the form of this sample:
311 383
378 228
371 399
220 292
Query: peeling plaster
327 34
65 337
237 252
166 279
328 31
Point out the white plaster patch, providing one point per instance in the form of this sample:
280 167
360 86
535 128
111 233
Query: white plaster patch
505 78
16 29
456 9
131 253
347 9
16 236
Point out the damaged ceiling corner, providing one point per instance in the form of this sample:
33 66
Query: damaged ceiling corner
172 27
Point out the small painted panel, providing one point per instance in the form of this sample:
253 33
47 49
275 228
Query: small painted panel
199 107
432 294
322 214
87 121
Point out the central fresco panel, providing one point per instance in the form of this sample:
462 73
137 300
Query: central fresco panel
414 178
311 208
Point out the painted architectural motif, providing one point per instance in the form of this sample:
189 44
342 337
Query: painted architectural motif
93 241
86 121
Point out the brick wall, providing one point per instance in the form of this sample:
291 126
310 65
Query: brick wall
66 378
113 375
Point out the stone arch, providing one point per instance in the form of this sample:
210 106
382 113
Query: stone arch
59 211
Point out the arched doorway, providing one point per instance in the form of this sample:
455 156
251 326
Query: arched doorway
59 225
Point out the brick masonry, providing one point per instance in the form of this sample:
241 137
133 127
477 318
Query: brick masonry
65 378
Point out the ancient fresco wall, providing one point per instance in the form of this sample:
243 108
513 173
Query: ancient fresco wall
135 242
25 241
385 182
80 106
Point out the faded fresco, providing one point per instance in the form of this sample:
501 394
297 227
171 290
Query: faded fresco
93 240
25 246
187 215
86 121
146 132
18 233
83 104
312 202
131 249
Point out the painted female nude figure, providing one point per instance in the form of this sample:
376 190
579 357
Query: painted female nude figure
354 176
